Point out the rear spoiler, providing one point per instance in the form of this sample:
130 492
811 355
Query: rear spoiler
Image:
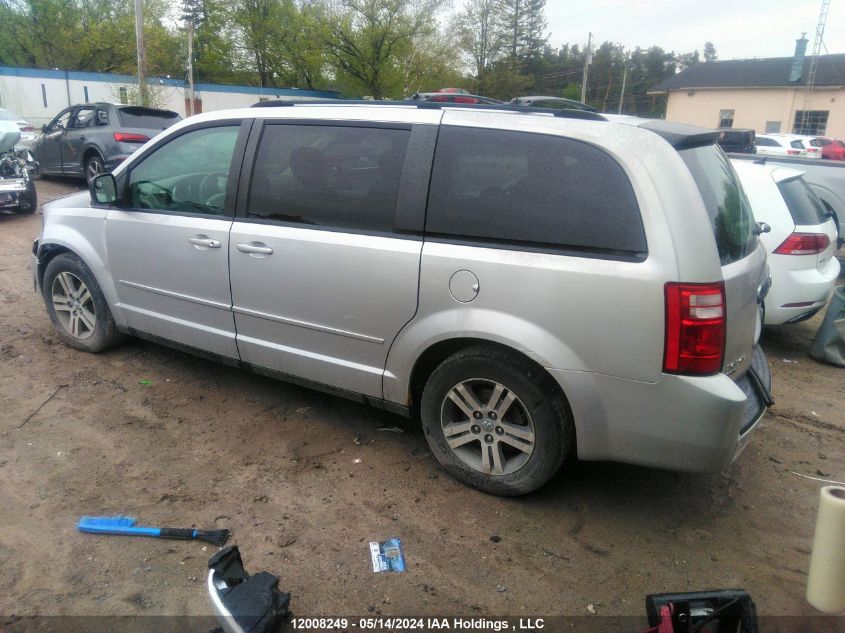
681 135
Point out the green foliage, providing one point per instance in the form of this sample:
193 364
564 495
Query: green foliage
379 48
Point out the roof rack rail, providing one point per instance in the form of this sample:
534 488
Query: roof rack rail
439 105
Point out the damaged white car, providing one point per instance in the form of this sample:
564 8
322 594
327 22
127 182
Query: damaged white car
17 189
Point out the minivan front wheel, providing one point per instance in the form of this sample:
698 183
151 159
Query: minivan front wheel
76 305
495 422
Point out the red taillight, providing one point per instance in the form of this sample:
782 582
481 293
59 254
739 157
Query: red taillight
25 128
803 244
695 328
793 152
126 137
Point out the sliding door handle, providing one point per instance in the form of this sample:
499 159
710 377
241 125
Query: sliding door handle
254 247
204 240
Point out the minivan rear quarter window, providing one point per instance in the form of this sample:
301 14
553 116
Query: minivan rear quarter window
525 189
726 202
804 206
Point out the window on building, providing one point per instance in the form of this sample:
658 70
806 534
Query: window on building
726 118
2 101
44 95
772 127
123 94
811 122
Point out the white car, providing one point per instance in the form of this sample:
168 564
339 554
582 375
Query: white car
813 149
780 145
801 242
28 133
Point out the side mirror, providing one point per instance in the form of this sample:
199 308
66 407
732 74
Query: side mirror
761 227
103 189
44 129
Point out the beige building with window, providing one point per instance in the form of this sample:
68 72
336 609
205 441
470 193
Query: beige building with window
767 95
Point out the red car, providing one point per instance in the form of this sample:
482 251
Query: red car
834 149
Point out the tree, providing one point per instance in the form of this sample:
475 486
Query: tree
534 36
479 34
368 37
710 52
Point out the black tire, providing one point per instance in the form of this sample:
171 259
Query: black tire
104 333
540 405
94 166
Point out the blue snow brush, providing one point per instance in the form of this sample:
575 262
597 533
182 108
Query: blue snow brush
126 526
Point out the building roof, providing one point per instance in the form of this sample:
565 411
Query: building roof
768 72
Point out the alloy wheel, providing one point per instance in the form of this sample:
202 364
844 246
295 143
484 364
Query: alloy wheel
74 305
487 426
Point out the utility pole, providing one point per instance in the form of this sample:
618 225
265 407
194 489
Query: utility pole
189 26
142 52
588 59
624 81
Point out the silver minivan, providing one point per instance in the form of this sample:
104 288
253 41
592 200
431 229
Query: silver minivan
533 285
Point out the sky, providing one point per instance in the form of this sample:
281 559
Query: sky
739 29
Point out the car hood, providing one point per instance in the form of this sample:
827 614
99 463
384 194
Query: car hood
74 200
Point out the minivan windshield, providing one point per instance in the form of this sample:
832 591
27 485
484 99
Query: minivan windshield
726 202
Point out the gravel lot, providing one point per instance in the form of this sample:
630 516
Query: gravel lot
306 480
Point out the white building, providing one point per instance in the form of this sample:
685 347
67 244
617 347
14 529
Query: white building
38 95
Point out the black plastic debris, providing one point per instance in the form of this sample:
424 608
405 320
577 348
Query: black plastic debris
241 602
829 344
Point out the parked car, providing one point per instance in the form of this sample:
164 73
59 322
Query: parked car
779 145
17 191
825 178
832 149
737 140
801 242
28 133
813 150
458 264
452 97
555 103
89 139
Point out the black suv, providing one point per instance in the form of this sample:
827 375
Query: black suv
89 139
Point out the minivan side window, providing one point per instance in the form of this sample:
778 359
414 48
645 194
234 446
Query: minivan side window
518 188
189 174
333 176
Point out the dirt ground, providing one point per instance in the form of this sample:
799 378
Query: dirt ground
305 480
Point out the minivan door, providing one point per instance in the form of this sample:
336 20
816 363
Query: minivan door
168 244
325 251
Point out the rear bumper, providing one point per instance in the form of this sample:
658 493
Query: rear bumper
14 192
811 287
678 423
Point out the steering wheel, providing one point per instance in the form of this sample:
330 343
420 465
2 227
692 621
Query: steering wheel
210 192
153 196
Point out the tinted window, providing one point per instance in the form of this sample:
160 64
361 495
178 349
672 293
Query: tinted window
516 187
765 142
147 118
804 206
797 144
333 176
187 175
726 203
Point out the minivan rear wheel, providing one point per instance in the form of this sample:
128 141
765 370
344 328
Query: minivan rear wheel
495 421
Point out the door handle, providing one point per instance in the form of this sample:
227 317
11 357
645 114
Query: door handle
204 240
254 247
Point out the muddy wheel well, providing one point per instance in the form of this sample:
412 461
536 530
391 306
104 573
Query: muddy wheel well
49 252
437 353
